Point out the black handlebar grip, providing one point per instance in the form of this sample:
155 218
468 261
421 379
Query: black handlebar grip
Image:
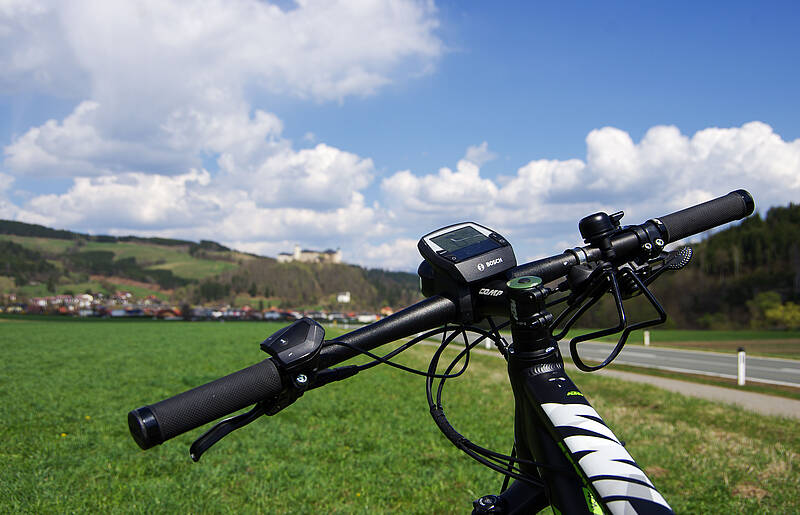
154 424
696 219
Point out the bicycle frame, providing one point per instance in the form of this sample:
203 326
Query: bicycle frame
589 470
554 423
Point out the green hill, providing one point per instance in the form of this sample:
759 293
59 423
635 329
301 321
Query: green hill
37 261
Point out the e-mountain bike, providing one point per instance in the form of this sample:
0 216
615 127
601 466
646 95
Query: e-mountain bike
563 454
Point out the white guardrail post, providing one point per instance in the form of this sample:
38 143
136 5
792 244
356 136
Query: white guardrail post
647 338
741 373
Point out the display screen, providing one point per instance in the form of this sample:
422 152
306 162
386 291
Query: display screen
462 238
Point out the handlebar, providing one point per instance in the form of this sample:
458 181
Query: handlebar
628 243
154 424
702 217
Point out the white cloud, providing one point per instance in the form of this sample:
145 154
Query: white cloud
314 50
245 220
192 206
76 147
668 166
133 200
612 156
398 254
664 172
161 85
234 132
315 196
479 154
33 55
462 191
320 177
542 178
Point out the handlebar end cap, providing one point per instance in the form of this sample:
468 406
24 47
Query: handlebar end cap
749 203
144 428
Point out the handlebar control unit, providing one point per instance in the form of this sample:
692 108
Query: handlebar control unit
296 345
467 252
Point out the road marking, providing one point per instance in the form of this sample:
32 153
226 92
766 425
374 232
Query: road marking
791 370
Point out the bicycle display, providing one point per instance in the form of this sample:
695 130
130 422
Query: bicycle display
563 454
467 252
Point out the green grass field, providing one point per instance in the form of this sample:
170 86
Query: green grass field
176 259
191 268
47 245
40 290
363 445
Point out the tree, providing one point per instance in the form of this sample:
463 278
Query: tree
759 305
785 316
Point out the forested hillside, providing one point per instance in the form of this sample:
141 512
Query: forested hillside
24 265
745 276
307 284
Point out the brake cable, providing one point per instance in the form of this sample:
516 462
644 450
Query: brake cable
608 278
504 464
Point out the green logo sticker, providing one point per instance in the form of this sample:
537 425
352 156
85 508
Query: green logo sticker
574 392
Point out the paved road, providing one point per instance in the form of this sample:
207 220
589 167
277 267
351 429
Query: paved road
760 370
757 402
763 370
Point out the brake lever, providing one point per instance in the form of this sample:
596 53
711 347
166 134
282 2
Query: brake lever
295 350
297 386
222 429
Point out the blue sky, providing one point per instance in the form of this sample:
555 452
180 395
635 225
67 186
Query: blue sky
534 79
363 125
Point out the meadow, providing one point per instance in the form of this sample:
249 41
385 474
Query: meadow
362 445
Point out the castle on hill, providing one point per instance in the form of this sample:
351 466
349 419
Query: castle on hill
311 256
